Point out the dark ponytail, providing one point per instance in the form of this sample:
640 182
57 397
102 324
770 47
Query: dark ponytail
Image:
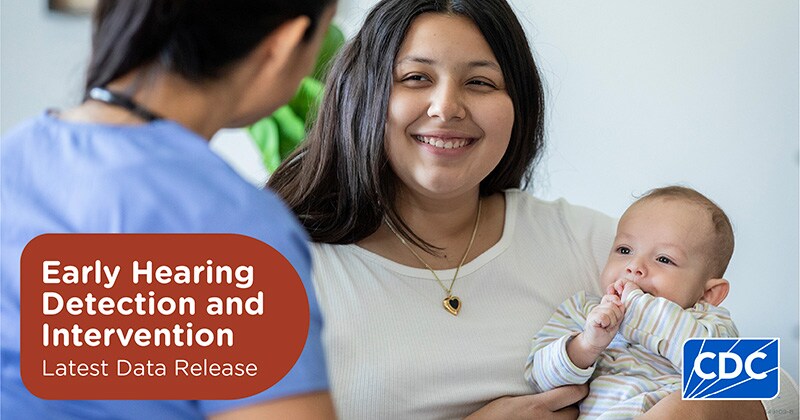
196 39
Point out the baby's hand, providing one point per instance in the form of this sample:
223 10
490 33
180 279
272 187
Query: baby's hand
603 322
622 288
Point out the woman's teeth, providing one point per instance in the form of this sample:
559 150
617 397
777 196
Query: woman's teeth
442 143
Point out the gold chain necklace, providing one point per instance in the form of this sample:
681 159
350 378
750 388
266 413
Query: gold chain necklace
451 303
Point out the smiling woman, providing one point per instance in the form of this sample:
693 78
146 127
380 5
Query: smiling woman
335 179
431 267
450 116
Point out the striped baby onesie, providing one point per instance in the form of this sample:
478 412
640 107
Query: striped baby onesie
641 365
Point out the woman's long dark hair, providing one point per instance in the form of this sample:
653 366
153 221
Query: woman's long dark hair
196 39
339 182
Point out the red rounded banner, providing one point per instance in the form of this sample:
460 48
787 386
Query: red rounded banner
157 316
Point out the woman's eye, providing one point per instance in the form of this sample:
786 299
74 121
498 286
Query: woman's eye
415 78
481 83
623 250
664 260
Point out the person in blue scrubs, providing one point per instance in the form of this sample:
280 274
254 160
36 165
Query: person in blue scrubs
164 76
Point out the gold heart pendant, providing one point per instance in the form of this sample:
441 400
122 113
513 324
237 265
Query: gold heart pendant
452 304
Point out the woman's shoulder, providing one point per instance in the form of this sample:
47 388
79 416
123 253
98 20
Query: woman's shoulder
135 168
586 232
525 203
102 145
21 134
344 255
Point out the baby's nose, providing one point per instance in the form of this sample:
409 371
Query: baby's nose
635 270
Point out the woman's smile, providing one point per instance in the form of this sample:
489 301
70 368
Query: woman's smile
444 142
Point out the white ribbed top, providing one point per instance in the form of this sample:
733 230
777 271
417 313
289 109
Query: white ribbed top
394 352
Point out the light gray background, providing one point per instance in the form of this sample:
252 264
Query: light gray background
640 94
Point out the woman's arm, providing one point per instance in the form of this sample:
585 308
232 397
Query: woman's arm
316 406
673 407
784 406
556 404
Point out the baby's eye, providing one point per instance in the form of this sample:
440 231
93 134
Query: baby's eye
623 250
664 260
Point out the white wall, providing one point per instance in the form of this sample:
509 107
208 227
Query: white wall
641 94
42 59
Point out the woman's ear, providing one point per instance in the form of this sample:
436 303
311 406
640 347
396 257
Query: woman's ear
715 291
276 50
268 76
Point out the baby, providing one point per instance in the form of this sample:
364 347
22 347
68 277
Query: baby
664 277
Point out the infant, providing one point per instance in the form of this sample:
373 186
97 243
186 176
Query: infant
664 284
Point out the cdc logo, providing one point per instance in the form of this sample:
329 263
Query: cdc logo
730 368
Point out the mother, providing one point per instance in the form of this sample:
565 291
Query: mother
433 269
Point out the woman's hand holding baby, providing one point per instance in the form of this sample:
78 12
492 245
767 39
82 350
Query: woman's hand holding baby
557 404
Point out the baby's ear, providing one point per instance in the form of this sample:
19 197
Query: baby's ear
716 291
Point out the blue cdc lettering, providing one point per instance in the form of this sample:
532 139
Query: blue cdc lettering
730 368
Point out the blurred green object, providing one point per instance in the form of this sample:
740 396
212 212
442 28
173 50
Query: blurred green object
279 134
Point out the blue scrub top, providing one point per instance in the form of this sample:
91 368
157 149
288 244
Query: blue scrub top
61 177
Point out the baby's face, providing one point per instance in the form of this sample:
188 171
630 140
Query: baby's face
661 246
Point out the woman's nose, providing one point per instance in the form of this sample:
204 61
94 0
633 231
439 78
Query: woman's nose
447 103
